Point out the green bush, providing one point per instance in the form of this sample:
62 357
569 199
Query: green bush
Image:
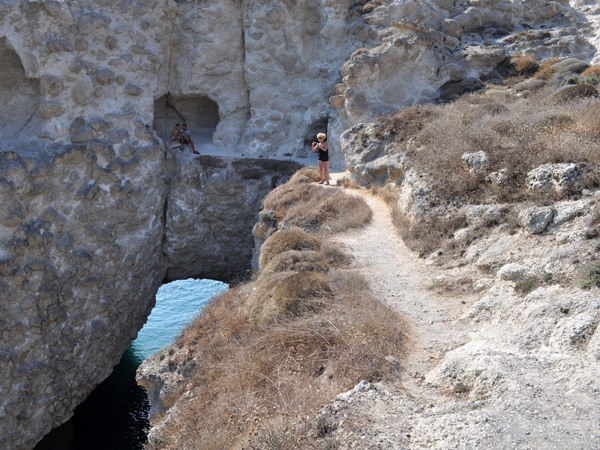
590 277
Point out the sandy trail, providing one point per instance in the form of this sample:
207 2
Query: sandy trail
413 413
387 418
400 279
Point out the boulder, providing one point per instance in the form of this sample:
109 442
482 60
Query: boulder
513 272
571 92
557 177
475 162
529 85
536 220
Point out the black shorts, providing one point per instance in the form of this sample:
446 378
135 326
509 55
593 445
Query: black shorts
323 155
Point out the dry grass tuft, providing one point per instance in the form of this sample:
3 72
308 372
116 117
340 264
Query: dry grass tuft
546 70
290 293
591 72
335 256
290 239
297 261
388 193
306 175
313 207
260 307
348 183
242 373
526 65
424 239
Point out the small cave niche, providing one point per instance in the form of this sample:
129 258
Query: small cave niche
318 126
18 95
198 112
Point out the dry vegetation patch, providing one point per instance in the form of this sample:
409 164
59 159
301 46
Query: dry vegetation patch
524 64
299 261
517 134
313 207
284 240
266 355
252 380
309 174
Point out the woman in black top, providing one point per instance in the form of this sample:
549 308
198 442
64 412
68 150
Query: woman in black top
323 148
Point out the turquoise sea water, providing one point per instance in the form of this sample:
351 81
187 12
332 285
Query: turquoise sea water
114 416
176 304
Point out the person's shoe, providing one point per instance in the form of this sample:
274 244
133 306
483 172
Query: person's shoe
327 183
196 152
321 182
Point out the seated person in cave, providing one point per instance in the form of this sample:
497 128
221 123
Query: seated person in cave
186 137
175 133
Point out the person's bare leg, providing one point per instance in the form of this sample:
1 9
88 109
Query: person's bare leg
192 144
321 171
326 166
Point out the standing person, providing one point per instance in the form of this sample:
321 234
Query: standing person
323 148
175 132
186 137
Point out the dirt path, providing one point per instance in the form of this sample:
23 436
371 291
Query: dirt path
521 404
401 279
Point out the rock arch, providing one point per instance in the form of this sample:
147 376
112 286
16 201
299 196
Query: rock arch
199 112
18 94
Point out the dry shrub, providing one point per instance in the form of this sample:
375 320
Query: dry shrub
404 124
546 70
306 175
281 435
260 307
592 71
285 292
316 208
425 238
519 136
284 240
290 293
589 120
298 261
524 64
554 122
335 256
241 374
348 183
387 193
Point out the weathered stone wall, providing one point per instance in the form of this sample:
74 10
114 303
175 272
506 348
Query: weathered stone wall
268 66
212 206
87 237
81 258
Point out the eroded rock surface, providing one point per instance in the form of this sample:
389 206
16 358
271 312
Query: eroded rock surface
94 214
88 235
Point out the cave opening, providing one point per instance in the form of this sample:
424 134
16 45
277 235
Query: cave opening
18 95
318 126
200 113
